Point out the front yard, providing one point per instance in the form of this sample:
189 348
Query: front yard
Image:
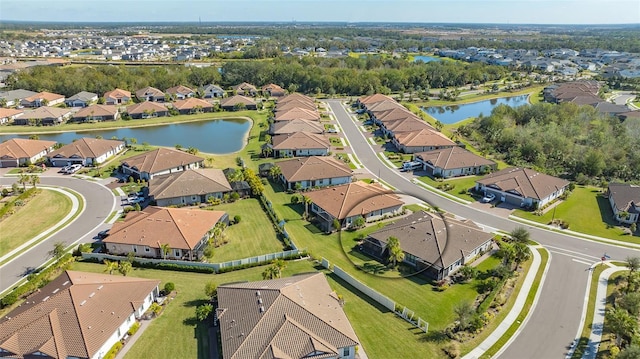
587 211
461 185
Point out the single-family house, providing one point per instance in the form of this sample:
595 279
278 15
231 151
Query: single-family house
431 245
294 317
96 112
192 105
314 171
453 162
13 97
238 102
348 202
76 315
45 116
159 162
147 109
117 97
81 99
295 103
17 152
426 139
8 114
297 114
624 199
245 89
296 96
300 144
395 114
145 233
86 151
150 94
273 90
367 101
42 99
213 91
188 187
180 92
294 126
522 187
405 125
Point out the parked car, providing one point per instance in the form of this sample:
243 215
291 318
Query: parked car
489 197
64 169
73 169
103 234
332 130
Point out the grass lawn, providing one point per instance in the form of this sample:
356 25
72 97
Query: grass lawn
41 212
253 236
586 211
591 306
462 184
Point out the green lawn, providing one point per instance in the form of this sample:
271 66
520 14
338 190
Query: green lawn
462 184
41 212
253 236
586 211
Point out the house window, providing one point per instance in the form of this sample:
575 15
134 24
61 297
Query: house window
345 352
177 252
147 249
135 249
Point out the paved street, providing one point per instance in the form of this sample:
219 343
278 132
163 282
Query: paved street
555 320
99 203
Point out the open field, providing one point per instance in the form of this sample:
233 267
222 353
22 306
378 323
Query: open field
41 212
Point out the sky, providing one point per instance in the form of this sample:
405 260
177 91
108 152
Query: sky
422 11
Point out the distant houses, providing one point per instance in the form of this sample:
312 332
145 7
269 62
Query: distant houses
42 99
117 97
180 92
44 116
96 113
192 105
81 99
147 109
150 94
213 91
238 102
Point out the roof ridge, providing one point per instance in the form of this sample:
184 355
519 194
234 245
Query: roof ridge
175 222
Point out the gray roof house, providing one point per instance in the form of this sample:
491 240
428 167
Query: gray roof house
625 202
212 91
81 99
188 187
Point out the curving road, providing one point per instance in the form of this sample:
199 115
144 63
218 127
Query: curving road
99 202
555 320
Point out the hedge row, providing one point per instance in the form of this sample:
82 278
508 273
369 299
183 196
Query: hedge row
282 235
163 266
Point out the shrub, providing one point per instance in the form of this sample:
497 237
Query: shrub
9 299
169 287
134 328
452 350
237 219
111 354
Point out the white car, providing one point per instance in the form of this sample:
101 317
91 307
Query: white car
489 197
74 168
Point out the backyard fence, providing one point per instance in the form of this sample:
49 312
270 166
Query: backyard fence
406 313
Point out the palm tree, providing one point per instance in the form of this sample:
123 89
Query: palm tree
633 263
621 323
124 267
58 250
307 202
23 180
270 272
395 252
520 235
111 266
34 180
267 151
521 253
275 171
279 265
165 250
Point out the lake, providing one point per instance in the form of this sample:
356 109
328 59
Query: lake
220 136
456 113
425 59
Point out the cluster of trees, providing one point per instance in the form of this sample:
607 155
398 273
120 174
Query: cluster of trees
565 139
622 318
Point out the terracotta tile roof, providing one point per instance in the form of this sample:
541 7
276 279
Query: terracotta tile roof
299 140
423 138
86 148
626 197
233 100
149 91
150 106
273 88
314 167
368 100
180 89
297 97
384 106
160 159
9 112
293 126
191 103
117 93
524 181
286 106
394 114
297 113
283 318
453 157
181 228
49 96
46 112
244 87
96 110
73 315
355 198
188 183
23 148
436 241
408 124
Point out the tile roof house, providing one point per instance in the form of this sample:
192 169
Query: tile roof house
434 246
293 126
300 144
234 102
16 152
296 103
159 162
522 187
117 97
296 96
45 115
150 94
8 114
294 317
188 187
96 112
81 99
625 202
392 115
85 151
213 91
180 92
42 99
147 109
192 105
273 90
408 124
366 101
13 97
76 315
352 200
245 89
453 162
313 171
185 230
426 139
297 113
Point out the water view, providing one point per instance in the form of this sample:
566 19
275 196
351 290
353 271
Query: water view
425 59
215 136
456 113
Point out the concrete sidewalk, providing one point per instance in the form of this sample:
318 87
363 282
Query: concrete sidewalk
515 310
